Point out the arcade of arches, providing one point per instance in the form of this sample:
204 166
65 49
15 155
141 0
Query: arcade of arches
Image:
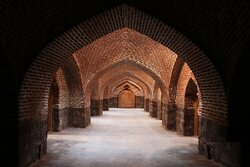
125 69
125 58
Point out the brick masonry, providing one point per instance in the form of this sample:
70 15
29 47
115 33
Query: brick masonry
59 104
214 145
169 121
212 34
188 122
146 106
170 117
73 80
139 101
33 143
121 39
96 107
125 72
105 104
180 121
79 117
153 109
60 119
164 116
113 102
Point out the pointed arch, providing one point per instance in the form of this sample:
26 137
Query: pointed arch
33 95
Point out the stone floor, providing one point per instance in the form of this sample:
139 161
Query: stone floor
122 138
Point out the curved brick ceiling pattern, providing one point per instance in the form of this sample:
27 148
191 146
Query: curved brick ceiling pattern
123 84
125 44
174 79
41 72
128 77
105 93
221 31
132 83
122 69
185 75
134 88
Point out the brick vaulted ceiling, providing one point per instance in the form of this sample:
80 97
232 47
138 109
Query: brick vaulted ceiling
125 44
213 25
219 28
111 22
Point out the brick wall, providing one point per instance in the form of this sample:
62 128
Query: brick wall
183 80
155 108
135 88
34 91
63 90
128 77
74 83
106 96
139 101
120 72
113 102
169 117
60 107
191 97
96 101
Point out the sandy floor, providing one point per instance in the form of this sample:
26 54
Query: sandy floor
122 138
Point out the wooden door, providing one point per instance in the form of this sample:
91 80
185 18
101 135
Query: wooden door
126 99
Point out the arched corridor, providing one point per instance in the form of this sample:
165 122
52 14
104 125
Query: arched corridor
125 66
122 137
65 66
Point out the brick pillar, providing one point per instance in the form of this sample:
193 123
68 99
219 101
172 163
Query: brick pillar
169 116
79 113
79 117
60 119
153 108
159 110
139 101
214 144
188 122
185 121
164 114
146 105
96 107
180 120
113 102
32 144
105 104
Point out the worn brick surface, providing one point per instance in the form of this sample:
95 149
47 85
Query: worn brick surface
220 28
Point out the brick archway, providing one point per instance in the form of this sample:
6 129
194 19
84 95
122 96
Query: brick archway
34 90
191 122
117 70
140 100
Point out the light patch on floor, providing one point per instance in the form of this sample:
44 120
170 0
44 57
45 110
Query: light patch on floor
122 138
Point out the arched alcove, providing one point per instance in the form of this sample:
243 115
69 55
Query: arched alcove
191 122
53 103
